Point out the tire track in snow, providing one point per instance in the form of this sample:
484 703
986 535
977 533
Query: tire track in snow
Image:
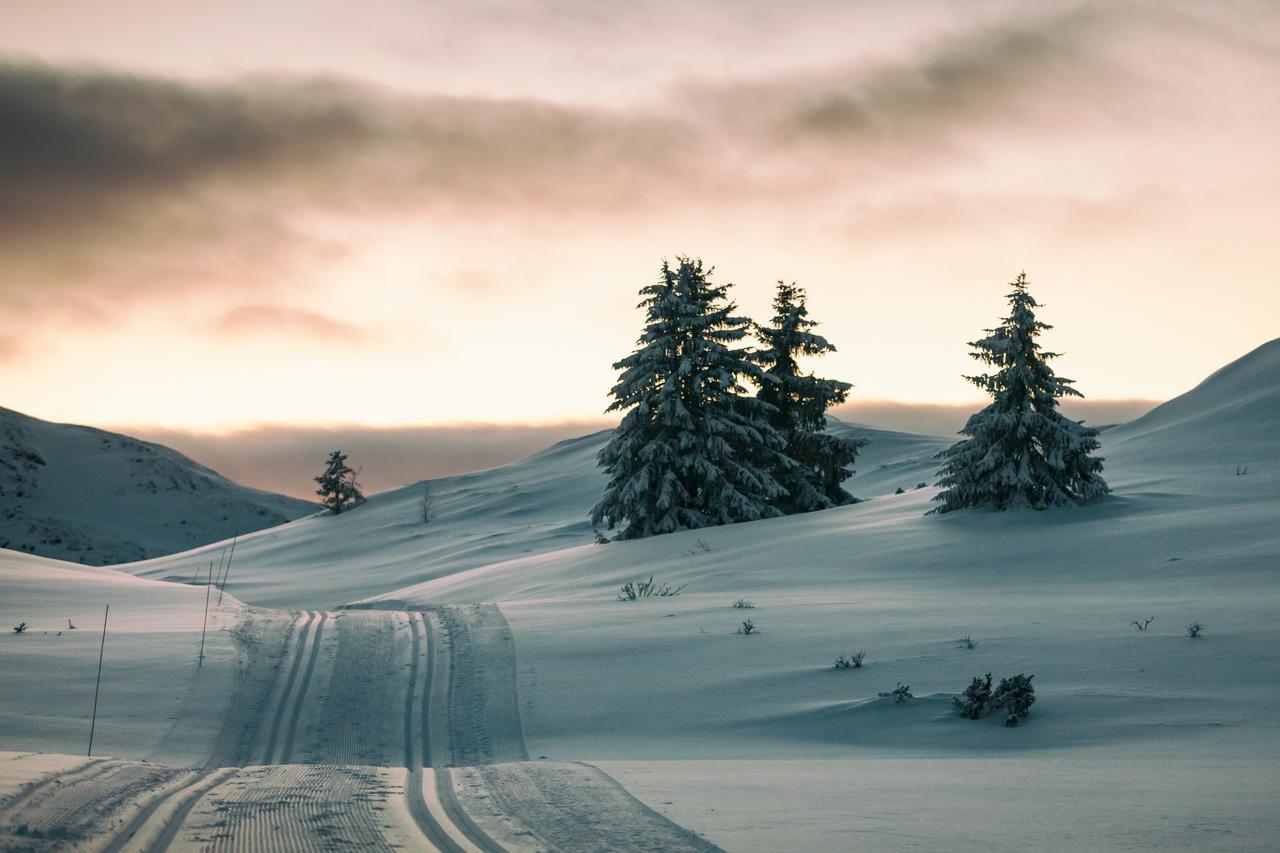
432 820
579 807
262 640
297 807
79 808
282 704
286 752
411 754
160 821
484 724
89 768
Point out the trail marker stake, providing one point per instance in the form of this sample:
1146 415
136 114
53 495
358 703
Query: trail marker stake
208 590
93 723
222 587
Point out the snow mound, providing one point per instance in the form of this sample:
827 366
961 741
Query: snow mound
1232 417
96 497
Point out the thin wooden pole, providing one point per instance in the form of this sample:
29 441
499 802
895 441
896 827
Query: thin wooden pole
223 586
93 722
208 590
222 559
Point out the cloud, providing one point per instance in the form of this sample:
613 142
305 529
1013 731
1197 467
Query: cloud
947 419
285 458
279 320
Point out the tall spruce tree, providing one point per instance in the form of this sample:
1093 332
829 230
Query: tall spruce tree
1021 451
694 449
798 404
338 487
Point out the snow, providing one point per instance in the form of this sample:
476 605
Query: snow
155 700
96 497
1138 739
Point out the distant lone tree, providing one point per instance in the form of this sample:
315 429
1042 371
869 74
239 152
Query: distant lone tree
694 449
1021 451
798 404
338 487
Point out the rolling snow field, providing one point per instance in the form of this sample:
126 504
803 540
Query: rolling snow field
375 681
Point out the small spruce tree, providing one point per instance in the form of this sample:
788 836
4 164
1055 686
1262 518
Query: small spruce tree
1021 451
798 404
693 449
338 487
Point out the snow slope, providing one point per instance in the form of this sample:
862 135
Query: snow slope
536 505
155 703
1139 739
96 497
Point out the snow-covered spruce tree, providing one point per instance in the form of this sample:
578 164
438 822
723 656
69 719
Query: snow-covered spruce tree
1021 451
338 486
693 449
798 404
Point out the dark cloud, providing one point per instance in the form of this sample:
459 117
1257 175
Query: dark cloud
285 458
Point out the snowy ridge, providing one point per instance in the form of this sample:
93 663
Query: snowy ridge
96 497
536 505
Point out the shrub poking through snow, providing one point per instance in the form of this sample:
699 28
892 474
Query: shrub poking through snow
748 627
426 506
743 604
969 642
1142 626
601 539
1015 696
853 661
1194 629
634 590
901 693
975 702
21 627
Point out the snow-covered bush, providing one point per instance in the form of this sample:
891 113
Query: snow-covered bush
901 693
969 642
1194 629
975 702
1015 696
743 604
748 627
853 661
634 590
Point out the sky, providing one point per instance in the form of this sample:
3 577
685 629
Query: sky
224 218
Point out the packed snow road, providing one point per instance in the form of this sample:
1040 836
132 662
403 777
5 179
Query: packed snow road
351 729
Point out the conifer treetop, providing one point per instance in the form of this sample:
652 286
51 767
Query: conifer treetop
1021 451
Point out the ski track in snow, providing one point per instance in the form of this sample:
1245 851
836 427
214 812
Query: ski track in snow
358 692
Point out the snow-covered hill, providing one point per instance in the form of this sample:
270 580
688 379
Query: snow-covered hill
537 505
1138 739
95 497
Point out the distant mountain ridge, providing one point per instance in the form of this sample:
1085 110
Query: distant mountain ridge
95 497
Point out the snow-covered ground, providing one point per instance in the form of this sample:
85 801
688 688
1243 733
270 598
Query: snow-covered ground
1138 740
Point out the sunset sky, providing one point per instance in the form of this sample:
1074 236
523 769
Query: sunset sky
402 213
